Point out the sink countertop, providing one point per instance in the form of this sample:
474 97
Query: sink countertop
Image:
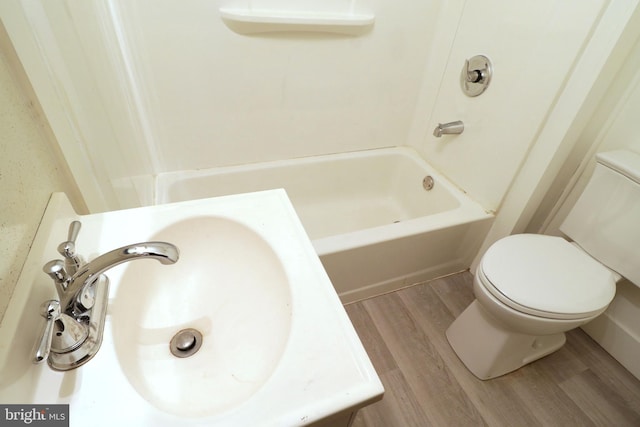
323 369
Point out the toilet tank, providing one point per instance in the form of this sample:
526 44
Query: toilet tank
605 220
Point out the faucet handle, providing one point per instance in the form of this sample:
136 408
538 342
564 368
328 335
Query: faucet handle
74 230
472 76
56 270
50 310
72 261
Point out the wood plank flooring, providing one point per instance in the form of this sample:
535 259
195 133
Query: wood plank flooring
427 385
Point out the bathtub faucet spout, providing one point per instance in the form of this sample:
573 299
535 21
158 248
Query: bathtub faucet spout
450 128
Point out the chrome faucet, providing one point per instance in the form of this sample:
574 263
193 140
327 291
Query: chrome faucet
74 325
456 127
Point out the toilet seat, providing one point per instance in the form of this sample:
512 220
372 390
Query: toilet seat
546 276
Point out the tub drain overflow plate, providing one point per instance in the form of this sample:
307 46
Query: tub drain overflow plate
427 183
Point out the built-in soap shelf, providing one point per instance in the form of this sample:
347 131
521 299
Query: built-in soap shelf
249 20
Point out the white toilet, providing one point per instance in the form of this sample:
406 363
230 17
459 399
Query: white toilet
532 288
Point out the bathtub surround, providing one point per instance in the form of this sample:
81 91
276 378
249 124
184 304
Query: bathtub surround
502 123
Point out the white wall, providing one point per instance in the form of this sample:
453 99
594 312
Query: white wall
157 85
614 125
30 170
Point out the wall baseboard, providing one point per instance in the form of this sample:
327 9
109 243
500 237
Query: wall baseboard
616 340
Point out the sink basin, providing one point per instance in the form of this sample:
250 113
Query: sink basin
277 348
230 286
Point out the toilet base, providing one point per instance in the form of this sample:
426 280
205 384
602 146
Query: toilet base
490 350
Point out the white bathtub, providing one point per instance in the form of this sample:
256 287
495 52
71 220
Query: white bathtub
373 224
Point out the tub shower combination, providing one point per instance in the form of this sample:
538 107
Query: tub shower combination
380 219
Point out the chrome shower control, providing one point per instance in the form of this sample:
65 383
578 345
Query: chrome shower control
476 75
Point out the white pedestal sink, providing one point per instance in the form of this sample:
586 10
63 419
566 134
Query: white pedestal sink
277 348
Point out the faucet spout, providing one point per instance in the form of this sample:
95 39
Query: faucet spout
73 328
450 128
165 253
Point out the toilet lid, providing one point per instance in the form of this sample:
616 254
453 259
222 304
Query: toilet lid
547 276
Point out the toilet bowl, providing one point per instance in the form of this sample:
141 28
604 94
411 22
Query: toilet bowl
530 289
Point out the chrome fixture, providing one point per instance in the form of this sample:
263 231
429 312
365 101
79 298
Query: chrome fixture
476 75
428 183
72 333
68 249
186 343
450 128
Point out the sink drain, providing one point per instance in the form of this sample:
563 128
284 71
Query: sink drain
185 343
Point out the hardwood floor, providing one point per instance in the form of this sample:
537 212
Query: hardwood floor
427 385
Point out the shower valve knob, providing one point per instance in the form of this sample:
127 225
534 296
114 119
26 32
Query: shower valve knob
476 75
